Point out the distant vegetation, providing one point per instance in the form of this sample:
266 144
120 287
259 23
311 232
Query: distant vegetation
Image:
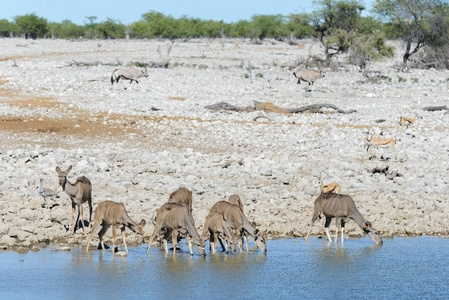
337 24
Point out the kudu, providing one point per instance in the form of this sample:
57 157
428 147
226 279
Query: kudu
237 220
176 218
217 227
110 213
343 209
79 192
181 196
236 200
129 74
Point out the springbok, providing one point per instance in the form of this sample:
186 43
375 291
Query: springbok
176 218
110 213
237 220
328 188
129 74
374 142
343 209
217 227
406 122
79 192
309 76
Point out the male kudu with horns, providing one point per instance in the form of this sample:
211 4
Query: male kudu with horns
343 209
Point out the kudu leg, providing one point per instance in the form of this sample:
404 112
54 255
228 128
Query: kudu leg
92 233
90 214
114 231
326 226
101 234
73 218
337 224
80 213
310 227
156 230
124 240
189 242
245 238
174 240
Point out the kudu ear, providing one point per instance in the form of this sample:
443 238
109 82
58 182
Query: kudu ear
69 169
58 170
143 222
367 225
256 232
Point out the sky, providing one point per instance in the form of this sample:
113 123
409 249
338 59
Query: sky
128 12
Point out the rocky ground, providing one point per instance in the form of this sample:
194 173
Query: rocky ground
139 142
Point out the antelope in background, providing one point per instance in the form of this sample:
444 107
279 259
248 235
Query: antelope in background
217 226
79 192
343 209
129 74
328 188
406 122
237 220
371 141
109 213
176 218
309 76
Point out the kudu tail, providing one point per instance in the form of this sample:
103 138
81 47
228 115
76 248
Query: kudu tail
153 219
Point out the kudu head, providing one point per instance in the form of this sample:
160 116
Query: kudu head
138 230
62 175
372 233
261 240
200 247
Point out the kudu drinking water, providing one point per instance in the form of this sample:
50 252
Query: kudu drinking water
79 192
114 214
176 218
236 200
218 227
181 196
343 209
237 220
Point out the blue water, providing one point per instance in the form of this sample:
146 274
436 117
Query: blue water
403 268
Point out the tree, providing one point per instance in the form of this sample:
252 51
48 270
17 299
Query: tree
111 29
334 22
31 25
7 28
299 25
416 21
270 25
